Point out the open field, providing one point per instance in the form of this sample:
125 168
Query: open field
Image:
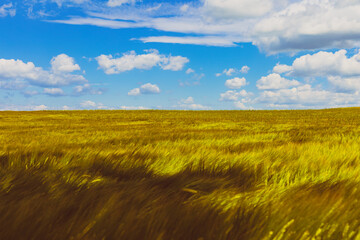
180 175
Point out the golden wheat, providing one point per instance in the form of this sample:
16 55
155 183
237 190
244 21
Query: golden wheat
180 174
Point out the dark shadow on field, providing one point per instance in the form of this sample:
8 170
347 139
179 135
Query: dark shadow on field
140 205
134 204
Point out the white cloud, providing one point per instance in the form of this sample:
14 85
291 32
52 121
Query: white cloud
100 22
88 103
131 60
221 9
345 84
339 68
324 64
245 69
235 83
30 93
65 107
189 71
239 98
242 106
275 81
117 3
133 108
188 100
305 96
7 9
63 64
189 104
308 24
14 71
39 108
56 92
92 105
184 8
147 88
87 89
23 108
51 79
13 85
229 72
61 2
232 71
134 92
282 68
206 40
273 26
17 69
233 95
155 8
174 63
341 71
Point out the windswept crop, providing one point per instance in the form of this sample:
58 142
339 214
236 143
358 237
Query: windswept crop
180 175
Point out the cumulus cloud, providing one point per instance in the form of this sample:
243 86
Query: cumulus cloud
235 83
56 92
18 71
282 68
173 63
233 95
51 79
341 70
7 10
188 100
245 69
131 60
306 24
238 98
39 108
133 108
147 88
231 71
87 89
134 92
323 64
242 106
275 81
189 104
63 64
92 105
306 96
345 84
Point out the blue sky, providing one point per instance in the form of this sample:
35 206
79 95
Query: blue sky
205 54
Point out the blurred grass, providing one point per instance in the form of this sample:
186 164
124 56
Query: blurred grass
180 175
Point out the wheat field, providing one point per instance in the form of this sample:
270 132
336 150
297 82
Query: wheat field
180 175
